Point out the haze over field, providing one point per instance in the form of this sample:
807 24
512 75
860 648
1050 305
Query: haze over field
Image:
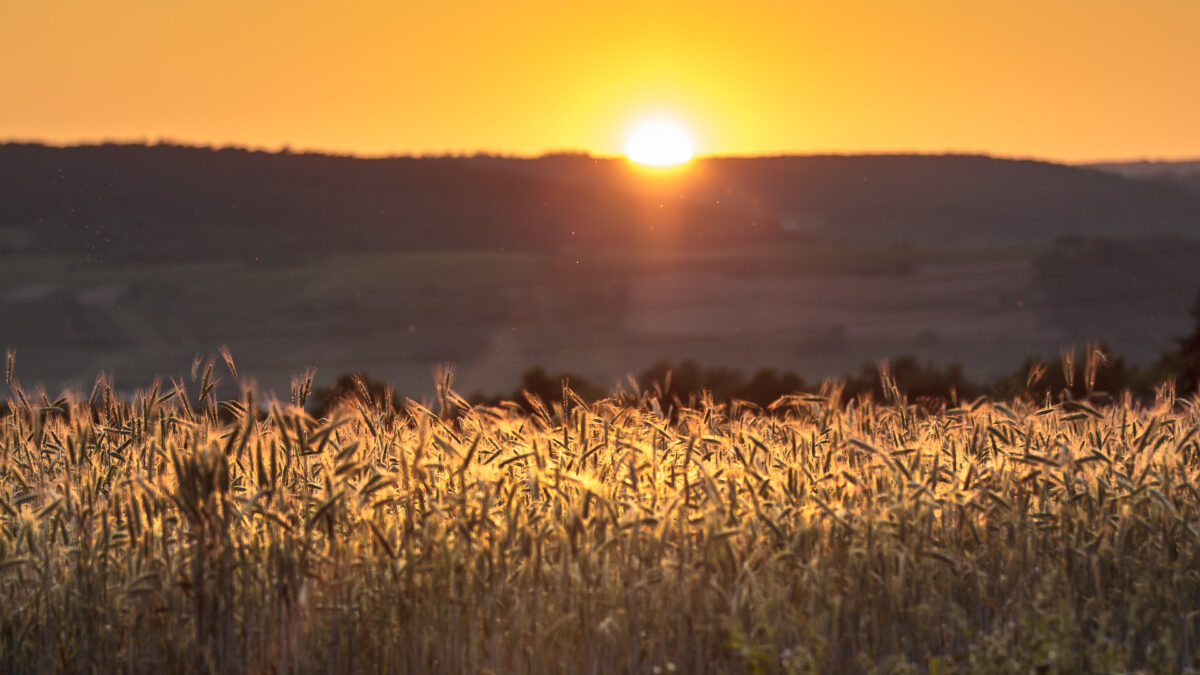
135 258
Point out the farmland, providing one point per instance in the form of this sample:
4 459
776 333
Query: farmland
174 532
819 310
132 259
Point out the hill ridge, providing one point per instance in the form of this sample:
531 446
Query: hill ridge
139 202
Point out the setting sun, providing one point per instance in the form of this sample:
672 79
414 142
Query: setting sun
659 142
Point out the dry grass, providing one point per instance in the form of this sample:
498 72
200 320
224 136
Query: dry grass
150 535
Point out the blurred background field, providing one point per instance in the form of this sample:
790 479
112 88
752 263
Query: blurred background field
132 259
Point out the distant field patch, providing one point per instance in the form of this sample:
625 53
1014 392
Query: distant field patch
104 294
32 292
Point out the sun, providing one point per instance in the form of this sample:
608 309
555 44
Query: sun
659 142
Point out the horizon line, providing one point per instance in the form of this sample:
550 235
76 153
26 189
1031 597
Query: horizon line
288 149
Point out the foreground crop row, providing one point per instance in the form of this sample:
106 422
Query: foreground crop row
173 535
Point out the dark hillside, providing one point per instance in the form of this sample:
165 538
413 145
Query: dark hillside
1181 173
121 202
154 203
962 199
925 199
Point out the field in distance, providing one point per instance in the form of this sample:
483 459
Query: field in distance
132 259
822 311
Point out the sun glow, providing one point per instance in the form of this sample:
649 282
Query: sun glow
659 142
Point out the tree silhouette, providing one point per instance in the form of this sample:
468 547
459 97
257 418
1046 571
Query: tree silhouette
1189 348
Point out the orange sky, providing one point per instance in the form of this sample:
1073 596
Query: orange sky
1064 79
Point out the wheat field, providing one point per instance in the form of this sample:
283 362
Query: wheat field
172 532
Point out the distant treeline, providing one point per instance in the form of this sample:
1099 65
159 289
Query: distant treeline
135 203
1087 374
1090 373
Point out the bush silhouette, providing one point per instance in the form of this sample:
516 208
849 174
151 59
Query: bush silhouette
1189 356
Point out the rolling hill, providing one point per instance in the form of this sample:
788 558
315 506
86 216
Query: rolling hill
128 202
1184 173
136 258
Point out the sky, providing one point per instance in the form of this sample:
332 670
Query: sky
1071 80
